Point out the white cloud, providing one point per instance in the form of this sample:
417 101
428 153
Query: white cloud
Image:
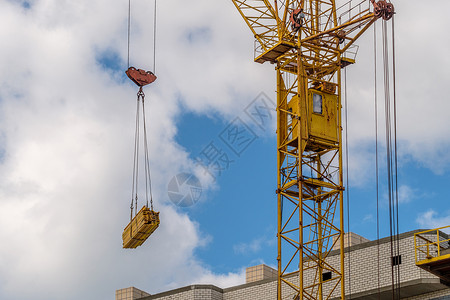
422 106
406 194
361 164
431 219
223 280
252 247
368 218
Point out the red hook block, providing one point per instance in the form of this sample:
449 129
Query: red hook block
140 77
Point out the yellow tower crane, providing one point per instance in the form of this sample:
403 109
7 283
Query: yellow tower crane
310 42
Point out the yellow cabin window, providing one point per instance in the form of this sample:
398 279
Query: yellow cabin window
317 103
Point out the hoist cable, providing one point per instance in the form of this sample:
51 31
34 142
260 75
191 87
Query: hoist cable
148 180
134 189
348 185
394 93
154 39
137 140
129 26
376 157
129 34
141 96
388 148
392 164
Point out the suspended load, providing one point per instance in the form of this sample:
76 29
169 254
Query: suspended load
140 228
146 221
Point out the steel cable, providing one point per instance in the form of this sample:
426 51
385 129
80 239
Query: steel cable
129 26
134 189
376 157
388 148
148 180
348 185
154 39
394 93
392 162
129 36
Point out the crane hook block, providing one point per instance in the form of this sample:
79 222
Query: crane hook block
140 77
296 19
383 9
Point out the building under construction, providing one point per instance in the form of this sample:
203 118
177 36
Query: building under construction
423 265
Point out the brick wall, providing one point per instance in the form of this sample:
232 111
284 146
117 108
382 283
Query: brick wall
361 277
264 289
259 272
130 293
193 292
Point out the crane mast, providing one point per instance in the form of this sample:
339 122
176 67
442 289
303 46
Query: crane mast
309 42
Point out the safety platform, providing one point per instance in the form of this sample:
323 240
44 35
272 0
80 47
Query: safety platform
432 252
140 228
274 52
345 61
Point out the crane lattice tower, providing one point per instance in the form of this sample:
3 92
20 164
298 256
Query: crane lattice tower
309 42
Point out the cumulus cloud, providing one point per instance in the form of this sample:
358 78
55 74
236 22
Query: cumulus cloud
252 247
245 248
432 219
223 280
368 218
423 125
407 194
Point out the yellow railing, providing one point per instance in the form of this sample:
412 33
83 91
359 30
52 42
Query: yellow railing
431 244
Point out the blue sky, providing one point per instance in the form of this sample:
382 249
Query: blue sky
66 143
240 215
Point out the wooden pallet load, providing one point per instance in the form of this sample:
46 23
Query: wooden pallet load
140 228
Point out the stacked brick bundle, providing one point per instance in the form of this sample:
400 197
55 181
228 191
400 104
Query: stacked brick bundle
140 228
